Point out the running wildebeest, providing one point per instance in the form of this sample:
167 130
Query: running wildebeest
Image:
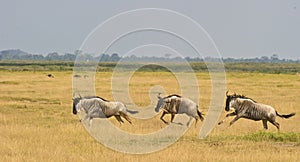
97 107
175 104
245 107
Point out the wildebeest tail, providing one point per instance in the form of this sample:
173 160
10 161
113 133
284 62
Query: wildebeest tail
285 116
132 111
200 115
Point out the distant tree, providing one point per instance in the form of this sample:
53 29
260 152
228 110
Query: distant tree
104 58
78 52
275 58
264 58
69 57
114 57
132 58
168 55
53 56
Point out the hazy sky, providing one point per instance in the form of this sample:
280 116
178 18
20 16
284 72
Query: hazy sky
239 28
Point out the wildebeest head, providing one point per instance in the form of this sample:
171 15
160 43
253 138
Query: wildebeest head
160 103
228 99
75 102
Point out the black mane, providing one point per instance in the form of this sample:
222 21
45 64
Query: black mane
242 96
172 95
77 99
89 97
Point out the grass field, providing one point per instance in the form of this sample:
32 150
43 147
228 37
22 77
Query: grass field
37 124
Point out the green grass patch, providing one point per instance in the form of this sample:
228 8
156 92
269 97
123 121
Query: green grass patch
9 82
30 100
272 136
285 85
272 68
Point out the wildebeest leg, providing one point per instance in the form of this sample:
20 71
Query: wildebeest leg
91 119
126 117
85 118
89 116
188 123
265 123
161 118
234 120
119 119
276 124
172 117
196 118
230 114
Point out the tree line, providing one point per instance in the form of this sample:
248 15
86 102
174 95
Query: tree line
17 54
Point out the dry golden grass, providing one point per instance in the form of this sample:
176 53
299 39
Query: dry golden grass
37 124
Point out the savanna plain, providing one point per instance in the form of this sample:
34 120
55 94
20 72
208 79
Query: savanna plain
37 124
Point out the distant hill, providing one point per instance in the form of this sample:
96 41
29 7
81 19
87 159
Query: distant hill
13 52
17 54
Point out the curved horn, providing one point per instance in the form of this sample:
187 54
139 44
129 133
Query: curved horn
158 96
73 97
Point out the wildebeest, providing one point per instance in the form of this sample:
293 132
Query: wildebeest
50 75
245 107
97 107
77 76
175 104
